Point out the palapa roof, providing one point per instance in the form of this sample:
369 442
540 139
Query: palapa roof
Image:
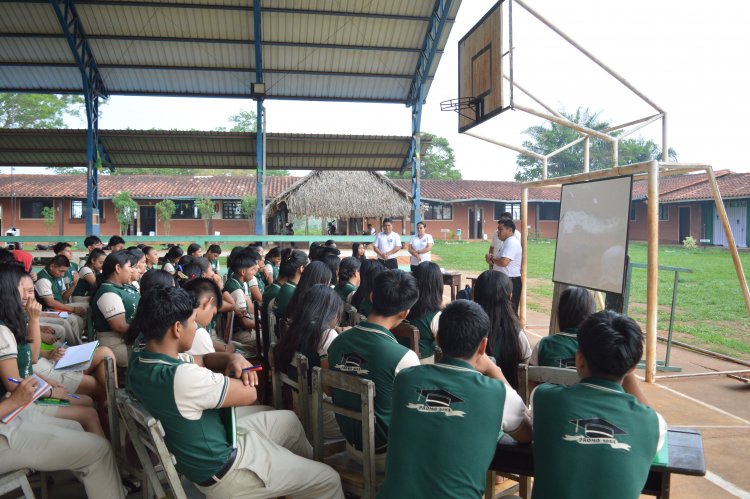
344 194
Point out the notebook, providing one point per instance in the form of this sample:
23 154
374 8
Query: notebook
77 358
662 457
42 388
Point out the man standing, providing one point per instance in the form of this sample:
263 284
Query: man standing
497 244
387 245
508 258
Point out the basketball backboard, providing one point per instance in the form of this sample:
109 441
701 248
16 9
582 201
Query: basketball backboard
480 71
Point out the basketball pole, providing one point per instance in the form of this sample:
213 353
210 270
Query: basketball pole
652 290
524 257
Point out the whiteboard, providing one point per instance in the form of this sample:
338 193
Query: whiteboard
592 235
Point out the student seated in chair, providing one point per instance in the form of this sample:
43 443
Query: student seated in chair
51 288
243 268
593 439
448 416
194 397
370 350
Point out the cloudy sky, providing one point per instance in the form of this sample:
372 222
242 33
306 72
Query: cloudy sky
685 56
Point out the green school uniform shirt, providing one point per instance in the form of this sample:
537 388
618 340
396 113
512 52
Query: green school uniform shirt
261 281
446 421
83 288
282 300
186 399
345 290
238 290
46 285
426 324
10 349
365 307
369 351
558 350
274 269
111 300
68 277
271 292
592 440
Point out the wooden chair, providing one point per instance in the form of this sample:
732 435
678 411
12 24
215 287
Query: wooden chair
115 438
359 479
271 319
283 326
147 435
263 342
408 332
16 480
228 326
300 386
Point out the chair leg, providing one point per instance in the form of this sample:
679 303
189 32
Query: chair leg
489 489
43 477
28 493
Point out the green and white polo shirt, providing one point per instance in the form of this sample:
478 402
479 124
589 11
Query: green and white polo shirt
592 440
68 277
282 300
274 269
345 291
186 398
557 350
369 351
111 300
215 265
428 328
271 292
83 288
10 349
48 286
365 307
238 290
446 421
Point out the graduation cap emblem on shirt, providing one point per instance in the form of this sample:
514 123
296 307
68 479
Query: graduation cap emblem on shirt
567 363
438 397
352 359
598 428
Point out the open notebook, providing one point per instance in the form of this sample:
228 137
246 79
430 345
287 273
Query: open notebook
42 388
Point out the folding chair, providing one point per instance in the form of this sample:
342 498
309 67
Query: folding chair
300 386
271 319
115 438
228 326
283 326
409 333
356 478
262 349
16 480
147 436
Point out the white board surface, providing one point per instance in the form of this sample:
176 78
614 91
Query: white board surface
592 235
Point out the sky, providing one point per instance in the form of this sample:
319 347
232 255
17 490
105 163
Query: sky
686 56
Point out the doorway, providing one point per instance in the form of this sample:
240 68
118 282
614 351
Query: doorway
684 223
147 220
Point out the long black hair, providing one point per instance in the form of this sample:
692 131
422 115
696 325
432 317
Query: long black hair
355 251
93 256
291 261
319 311
315 273
114 259
12 312
173 253
430 284
492 292
347 268
575 305
367 273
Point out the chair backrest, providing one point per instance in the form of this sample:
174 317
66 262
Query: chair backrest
365 389
541 374
147 435
261 336
283 326
112 417
271 319
411 333
228 326
300 385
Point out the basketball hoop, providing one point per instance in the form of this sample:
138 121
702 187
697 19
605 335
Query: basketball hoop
460 104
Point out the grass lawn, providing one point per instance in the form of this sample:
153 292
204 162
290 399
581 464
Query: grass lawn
710 311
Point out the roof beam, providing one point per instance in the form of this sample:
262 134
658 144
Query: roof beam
429 46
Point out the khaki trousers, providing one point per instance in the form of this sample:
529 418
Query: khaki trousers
65 329
116 342
274 459
71 380
44 443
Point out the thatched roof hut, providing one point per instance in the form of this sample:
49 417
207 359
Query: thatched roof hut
343 194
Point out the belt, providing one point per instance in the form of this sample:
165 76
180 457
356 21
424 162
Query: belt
216 478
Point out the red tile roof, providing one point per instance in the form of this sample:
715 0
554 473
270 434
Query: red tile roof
456 190
731 185
673 184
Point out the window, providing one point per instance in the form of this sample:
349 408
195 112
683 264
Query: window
549 211
663 212
513 208
32 207
438 211
185 209
632 212
231 210
78 209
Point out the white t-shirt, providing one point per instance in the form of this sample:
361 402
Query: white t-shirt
418 244
326 341
512 250
386 243
202 343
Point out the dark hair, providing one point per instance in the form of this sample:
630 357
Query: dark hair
196 267
202 286
91 240
58 261
58 247
329 243
315 273
135 255
242 260
611 343
461 328
508 224
422 224
274 252
115 240
214 248
140 246
394 292
172 253
575 305
114 259
430 285
333 262
132 248
12 312
147 249
492 291
318 312
184 260
506 215
193 248
369 271
6 257
347 268
387 221
95 254
158 309
355 249
291 261
156 278
312 252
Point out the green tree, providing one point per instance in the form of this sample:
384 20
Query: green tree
125 209
164 211
207 210
48 214
247 207
439 162
546 138
37 110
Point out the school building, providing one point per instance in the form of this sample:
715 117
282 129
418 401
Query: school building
470 207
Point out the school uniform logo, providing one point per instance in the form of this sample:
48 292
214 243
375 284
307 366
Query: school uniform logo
352 363
437 400
569 363
597 431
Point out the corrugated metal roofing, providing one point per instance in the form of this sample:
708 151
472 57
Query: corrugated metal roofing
153 148
312 49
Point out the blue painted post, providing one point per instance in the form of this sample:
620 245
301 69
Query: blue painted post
92 171
260 130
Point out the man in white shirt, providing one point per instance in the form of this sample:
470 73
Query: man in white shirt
387 245
508 258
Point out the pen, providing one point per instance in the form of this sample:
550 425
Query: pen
259 367
18 382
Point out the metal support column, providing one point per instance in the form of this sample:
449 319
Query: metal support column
416 161
260 129
93 88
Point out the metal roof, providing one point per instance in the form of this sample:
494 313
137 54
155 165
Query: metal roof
359 50
195 149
